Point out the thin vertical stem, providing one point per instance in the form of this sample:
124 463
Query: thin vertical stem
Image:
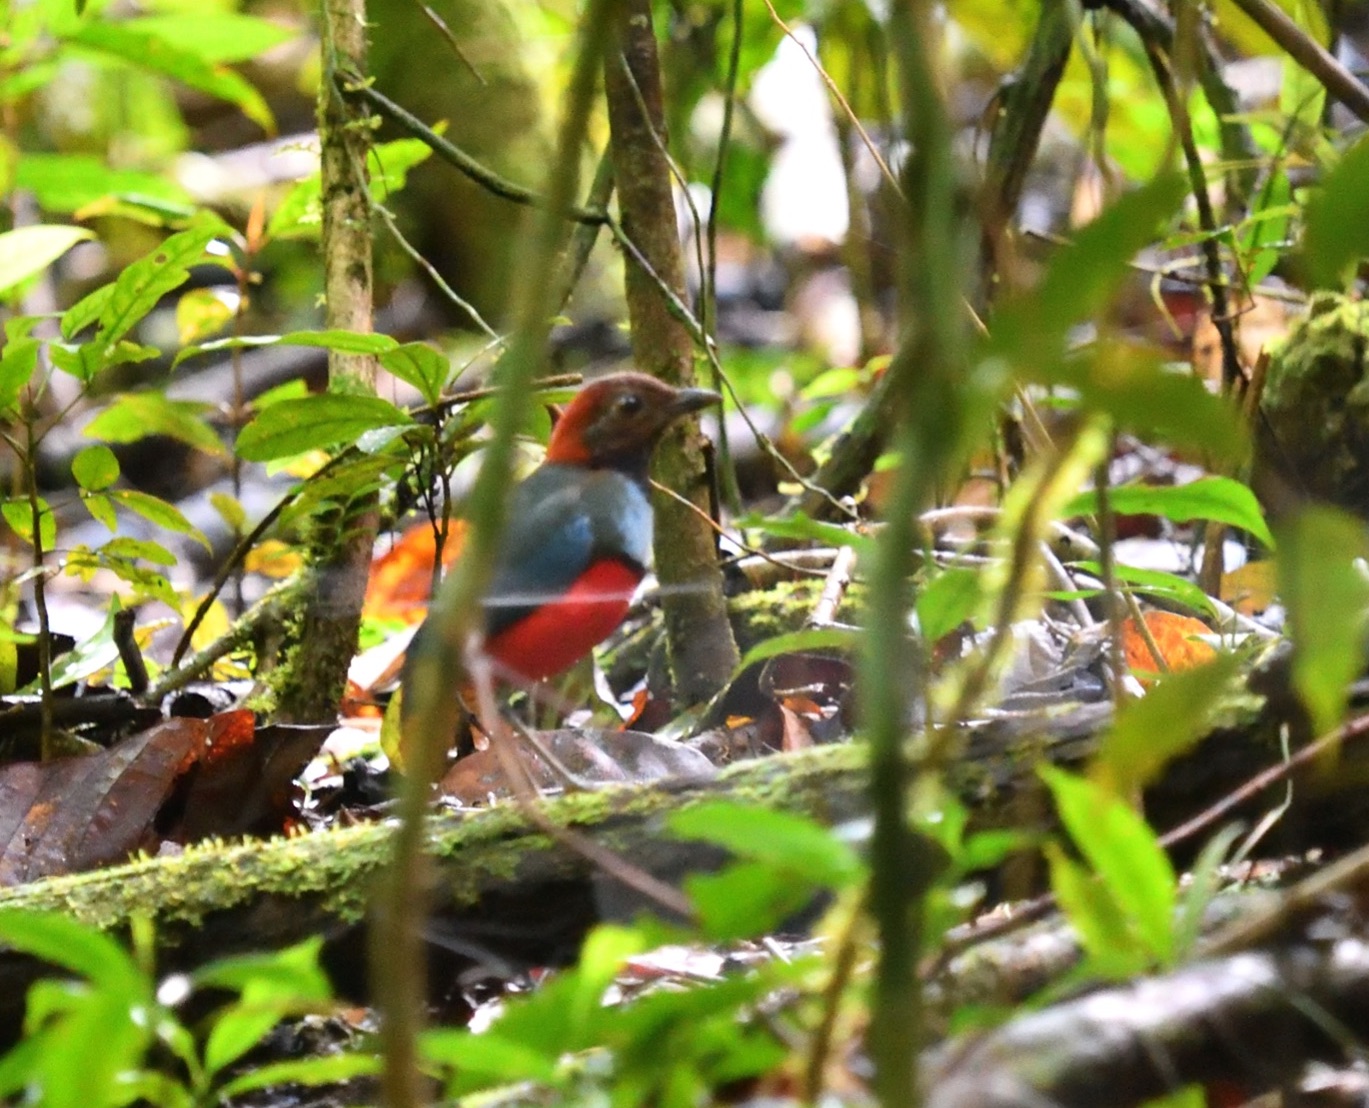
431 709
928 397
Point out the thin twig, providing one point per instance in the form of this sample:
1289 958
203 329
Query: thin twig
1308 53
455 156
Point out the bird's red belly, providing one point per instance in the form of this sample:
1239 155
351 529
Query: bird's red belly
564 630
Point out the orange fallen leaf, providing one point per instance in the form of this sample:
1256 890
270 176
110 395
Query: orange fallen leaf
402 577
1176 637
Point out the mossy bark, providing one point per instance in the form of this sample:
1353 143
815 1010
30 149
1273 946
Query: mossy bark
325 635
698 637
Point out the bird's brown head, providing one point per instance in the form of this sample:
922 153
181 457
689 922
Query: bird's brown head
616 420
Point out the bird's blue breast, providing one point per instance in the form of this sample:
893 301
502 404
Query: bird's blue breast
562 520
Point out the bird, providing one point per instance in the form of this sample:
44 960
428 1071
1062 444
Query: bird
579 533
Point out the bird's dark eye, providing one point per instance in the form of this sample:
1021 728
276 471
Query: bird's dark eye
629 404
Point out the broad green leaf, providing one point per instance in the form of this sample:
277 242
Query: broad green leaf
1083 278
231 509
1103 929
158 511
323 1070
68 182
201 313
800 526
133 549
778 839
215 36
346 342
95 468
948 600
129 42
1137 389
1216 498
294 426
1322 581
78 947
286 976
85 360
135 415
101 509
18 513
746 899
565 1014
91 655
812 638
1124 854
1160 726
27 251
147 583
1154 582
299 215
490 1054
119 306
1336 232
17 363
421 366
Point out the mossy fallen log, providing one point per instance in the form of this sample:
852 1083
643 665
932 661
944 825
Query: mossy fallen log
509 894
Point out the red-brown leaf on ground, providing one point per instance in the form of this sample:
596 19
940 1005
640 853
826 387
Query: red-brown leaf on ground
79 813
182 780
243 783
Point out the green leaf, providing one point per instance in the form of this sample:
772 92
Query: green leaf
90 656
118 307
793 642
746 899
68 182
1084 277
1097 918
135 415
1216 498
17 363
421 366
158 511
800 526
18 514
326 1070
129 42
1124 854
95 468
1161 725
1205 878
201 313
1138 390
1154 582
780 839
28 251
1327 596
78 947
294 426
346 342
101 509
288 976
1336 232
216 36
948 600
299 215
133 549
490 1055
